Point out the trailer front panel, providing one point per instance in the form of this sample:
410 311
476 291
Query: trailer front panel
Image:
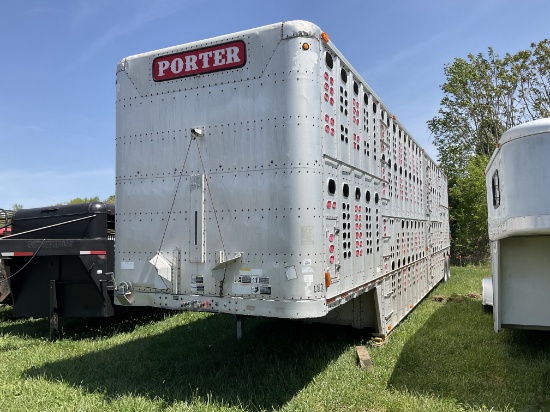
258 174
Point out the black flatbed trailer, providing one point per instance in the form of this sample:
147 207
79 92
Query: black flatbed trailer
60 262
5 229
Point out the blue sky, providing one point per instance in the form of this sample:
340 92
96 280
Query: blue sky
57 83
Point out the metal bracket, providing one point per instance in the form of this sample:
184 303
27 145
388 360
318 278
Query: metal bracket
54 314
123 293
223 258
197 132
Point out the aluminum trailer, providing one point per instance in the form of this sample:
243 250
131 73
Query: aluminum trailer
60 262
258 174
518 200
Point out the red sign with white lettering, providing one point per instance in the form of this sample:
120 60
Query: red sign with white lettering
210 59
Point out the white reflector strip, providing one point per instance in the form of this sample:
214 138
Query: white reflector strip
93 252
17 253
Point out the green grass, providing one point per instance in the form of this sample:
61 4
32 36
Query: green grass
445 356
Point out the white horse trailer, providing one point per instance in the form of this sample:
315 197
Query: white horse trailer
518 199
257 174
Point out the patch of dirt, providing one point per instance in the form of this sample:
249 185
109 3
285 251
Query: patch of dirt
456 298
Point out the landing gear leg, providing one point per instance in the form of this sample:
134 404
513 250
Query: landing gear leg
240 326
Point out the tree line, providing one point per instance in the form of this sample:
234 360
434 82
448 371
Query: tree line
483 96
76 200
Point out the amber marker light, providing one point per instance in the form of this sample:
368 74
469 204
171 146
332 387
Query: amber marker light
324 36
305 46
327 280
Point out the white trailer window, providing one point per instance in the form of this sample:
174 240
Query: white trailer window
496 190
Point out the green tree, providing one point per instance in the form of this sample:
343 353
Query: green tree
533 71
468 215
484 95
78 200
477 107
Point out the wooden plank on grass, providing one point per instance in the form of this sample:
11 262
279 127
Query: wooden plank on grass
363 357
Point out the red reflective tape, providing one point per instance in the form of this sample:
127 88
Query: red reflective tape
17 253
93 252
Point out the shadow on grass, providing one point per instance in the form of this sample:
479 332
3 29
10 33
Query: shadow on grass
79 328
202 360
457 355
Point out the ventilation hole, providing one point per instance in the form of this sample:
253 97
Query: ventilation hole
328 60
355 88
331 186
344 75
345 190
357 193
367 196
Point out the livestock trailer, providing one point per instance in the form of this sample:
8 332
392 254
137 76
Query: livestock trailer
258 174
518 198
60 261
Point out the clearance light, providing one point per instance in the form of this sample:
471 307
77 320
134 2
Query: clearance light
327 280
305 46
324 36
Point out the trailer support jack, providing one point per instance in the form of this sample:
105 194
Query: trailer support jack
240 326
54 315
